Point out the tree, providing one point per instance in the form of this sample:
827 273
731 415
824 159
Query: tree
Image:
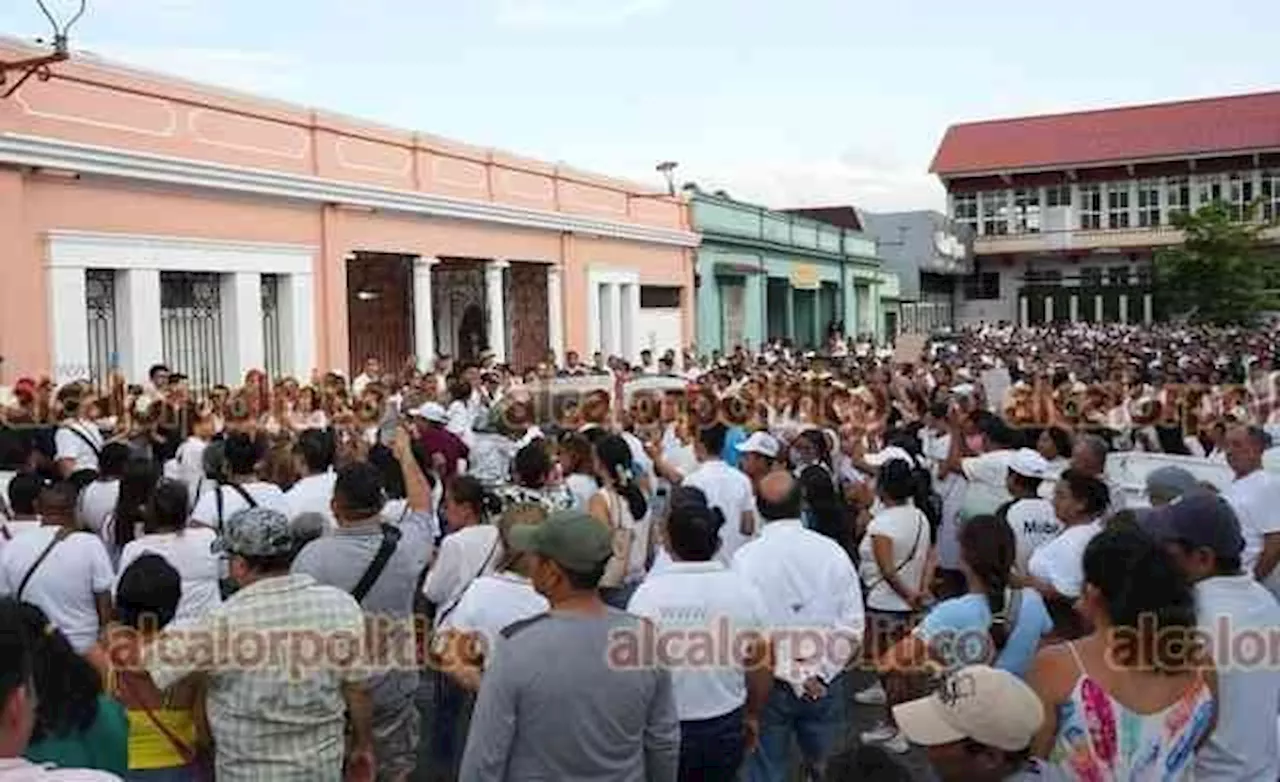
1222 273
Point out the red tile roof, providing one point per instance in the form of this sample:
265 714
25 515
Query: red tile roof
1234 124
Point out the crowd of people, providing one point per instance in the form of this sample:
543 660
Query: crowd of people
679 570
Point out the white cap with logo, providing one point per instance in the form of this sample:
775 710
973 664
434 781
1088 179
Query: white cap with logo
761 443
989 706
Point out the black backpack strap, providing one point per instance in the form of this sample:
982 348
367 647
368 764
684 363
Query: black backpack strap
1002 512
61 535
390 539
84 438
246 496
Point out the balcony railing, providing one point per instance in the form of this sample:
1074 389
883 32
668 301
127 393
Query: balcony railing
1092 239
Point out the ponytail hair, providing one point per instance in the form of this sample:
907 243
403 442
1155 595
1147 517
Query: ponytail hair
467 490
989 549
615 457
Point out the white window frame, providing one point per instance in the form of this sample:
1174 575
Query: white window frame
993 212
1117 205
1270 195
1149 203
1177 196
1239 193
1026 210
1091 207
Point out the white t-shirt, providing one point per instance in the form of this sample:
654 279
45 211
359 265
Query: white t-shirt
703 603
728 489
1061 560
23 770
72 446
191 554
97 502
464 556
313 494
267 495
1034 524
908 528
12 529
1256 500
1244 744
492 603
189 466
583 488
988 477
65 584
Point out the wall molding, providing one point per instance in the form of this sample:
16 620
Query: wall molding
102 250
23 150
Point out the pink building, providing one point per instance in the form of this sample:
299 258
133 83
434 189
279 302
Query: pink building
147 219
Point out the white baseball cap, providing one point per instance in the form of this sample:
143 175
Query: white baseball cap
761 443
992 707
883 457
433 412
1029 464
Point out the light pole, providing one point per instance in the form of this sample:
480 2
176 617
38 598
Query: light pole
668 169
39 66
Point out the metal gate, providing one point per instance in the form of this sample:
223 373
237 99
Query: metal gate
100 308
461 311
191 326
271 351
380 309
526 305
733 313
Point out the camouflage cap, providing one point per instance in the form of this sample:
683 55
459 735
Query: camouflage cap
257 532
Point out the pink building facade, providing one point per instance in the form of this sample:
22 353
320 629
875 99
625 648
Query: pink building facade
146 219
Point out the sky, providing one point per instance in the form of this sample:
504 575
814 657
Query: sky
782 102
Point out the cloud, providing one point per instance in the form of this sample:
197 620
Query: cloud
575 13
876 187
246 70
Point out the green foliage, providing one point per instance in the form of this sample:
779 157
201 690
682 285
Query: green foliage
1222 273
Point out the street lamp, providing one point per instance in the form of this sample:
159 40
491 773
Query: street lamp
39 66
668 170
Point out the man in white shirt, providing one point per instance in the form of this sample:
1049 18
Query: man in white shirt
726 488
1029 516
313 493
695 602
372 374
1255 497
78 440
811 593
987 473
1089 456
1202 534
759 456
61 571
24 496
18 700
242 488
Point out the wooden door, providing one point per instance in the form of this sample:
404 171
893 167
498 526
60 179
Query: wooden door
380 309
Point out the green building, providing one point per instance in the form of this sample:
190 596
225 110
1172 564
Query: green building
764 274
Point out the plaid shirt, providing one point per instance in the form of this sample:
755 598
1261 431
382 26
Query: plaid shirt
276 654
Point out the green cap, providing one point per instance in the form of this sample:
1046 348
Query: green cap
573 540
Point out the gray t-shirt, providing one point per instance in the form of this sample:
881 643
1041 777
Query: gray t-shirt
565 698
340 560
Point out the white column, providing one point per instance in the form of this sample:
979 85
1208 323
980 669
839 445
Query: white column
138 322
1024 311
1124 308
1097 309
555 312
241 324
297 324
68 324
613 322
630 306
1146 308
1074 308
424 328
497 308
1048 309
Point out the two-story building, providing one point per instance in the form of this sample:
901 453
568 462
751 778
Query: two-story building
930 259
764 274
148 219
1068 210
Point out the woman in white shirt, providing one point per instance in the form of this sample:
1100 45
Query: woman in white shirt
188 549
1056 568
895 570
621 506
578 464
471 548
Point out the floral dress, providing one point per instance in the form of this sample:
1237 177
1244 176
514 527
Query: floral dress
1100 740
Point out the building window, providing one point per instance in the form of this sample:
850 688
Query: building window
1118 205
1144 275
104 346
1149 203
964 207
1239 194
1270 195
1057 195
1049 277
1026 210
659 297
191 326
1090 207
1177 195
271 344
1118 275
995 212
982 285
1091 277
1208 189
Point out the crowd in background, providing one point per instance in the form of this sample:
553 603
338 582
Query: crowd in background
668 570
